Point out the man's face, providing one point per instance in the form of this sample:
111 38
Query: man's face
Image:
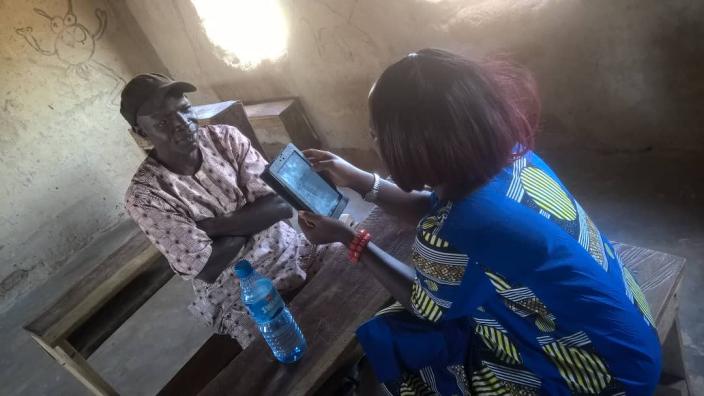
170 126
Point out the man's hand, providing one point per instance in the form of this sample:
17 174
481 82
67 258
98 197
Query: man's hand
224 250
250 219
209 225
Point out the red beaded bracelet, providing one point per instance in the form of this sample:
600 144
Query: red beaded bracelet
358 244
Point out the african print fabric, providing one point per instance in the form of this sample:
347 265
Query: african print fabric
517 292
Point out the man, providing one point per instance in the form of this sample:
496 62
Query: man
198 197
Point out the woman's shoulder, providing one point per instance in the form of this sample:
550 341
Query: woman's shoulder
525 206
501 202
485 211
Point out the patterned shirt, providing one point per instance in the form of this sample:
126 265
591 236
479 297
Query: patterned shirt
166 205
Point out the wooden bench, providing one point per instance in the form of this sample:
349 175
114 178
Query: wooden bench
72 328
341 297
110 293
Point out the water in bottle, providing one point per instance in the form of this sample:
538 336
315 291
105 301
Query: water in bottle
269 312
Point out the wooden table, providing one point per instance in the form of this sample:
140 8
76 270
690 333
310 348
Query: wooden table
341 297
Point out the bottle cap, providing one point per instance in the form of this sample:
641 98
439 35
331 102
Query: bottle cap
243 268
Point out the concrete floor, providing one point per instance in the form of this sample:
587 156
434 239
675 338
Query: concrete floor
646 199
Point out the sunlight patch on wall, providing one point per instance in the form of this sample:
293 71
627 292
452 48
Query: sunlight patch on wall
246 31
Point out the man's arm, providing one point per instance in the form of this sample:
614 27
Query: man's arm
224 251
231 231
172 231
250 219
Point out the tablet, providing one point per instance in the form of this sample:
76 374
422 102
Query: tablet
293 177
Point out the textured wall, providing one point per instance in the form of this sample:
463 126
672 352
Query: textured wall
65 155
615 75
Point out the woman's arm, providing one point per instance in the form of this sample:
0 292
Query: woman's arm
396 276
408 206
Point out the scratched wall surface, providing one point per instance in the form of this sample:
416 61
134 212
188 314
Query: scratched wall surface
65 155
614 75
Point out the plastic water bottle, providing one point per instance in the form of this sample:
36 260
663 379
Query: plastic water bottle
268 310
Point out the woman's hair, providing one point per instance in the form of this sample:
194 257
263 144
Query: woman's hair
442 119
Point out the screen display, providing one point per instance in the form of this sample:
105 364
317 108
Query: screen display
308 185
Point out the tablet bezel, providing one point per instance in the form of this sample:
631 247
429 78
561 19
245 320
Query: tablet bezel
271 177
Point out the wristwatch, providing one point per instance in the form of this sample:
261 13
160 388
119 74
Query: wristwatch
372 194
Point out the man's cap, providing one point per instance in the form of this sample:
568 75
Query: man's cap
148 87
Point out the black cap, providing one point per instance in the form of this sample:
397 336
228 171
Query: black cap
148 87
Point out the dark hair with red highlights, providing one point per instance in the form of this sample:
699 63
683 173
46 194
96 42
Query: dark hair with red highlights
442 119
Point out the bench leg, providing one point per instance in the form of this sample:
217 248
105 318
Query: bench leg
72 361
674 374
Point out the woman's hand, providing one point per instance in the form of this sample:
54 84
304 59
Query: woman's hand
339 171
322 230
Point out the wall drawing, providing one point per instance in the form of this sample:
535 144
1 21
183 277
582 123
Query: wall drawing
74 45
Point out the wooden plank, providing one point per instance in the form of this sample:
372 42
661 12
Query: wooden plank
212 357
332 384
663 390
103 323
94 290
71 360
329 311
266 109
287 113
659 275
299 127
674 373
228 113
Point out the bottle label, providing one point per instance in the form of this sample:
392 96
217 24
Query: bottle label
266 308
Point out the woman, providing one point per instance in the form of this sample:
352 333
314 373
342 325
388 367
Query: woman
512 288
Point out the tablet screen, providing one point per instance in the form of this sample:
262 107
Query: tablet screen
307 184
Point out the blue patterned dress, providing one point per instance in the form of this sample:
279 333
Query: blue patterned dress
516 292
